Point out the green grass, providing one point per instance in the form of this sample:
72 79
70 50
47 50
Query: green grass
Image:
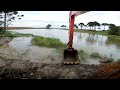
11 34
83 55
47 42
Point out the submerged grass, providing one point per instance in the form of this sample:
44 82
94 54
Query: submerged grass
84 55
47 42
95 55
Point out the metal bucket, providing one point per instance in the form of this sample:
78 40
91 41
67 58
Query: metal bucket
71 56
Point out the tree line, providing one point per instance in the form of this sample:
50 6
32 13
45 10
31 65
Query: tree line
92 25
7 17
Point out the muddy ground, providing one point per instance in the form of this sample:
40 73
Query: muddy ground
4 40
26 69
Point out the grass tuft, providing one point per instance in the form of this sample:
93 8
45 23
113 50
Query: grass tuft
47 42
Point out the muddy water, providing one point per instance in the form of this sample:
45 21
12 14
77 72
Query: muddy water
21 48
87 42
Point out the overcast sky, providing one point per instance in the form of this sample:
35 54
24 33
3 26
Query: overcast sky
58 18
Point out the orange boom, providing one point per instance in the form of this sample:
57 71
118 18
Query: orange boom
70 54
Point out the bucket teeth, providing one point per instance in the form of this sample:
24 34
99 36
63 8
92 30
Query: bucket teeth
71 63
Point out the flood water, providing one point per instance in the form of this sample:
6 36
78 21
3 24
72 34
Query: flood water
20 48
82 41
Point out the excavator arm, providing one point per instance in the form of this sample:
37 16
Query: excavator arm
70 54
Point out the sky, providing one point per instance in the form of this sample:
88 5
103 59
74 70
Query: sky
58 18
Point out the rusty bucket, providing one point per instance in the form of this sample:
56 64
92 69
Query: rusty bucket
71 56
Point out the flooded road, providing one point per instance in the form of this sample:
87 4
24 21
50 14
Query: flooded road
82 41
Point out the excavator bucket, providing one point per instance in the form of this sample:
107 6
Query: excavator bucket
71 57
70 54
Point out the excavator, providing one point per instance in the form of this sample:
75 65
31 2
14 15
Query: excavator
70 54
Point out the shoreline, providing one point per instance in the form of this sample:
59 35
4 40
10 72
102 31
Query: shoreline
104 33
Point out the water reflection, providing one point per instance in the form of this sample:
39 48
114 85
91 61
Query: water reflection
111 41
91 39
80 36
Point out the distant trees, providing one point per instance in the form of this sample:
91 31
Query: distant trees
111 26
63 26
8 17
114 30
95 23
48 26
105 24
90 24
81 25
75 26
85 26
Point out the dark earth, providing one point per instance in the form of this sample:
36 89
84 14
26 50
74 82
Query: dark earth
20 69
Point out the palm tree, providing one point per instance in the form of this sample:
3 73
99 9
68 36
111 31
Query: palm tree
90 24
104 24
95 23
81 25
75 26
63 26
111 25
85 26
48 26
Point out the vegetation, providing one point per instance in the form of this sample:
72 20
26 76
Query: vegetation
48 26
11 34
8 17
75 26
95 55
90 24
81 25
104 24
47 42
114 30
95 23
63 26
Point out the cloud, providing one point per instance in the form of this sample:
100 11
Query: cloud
100 16
42 18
